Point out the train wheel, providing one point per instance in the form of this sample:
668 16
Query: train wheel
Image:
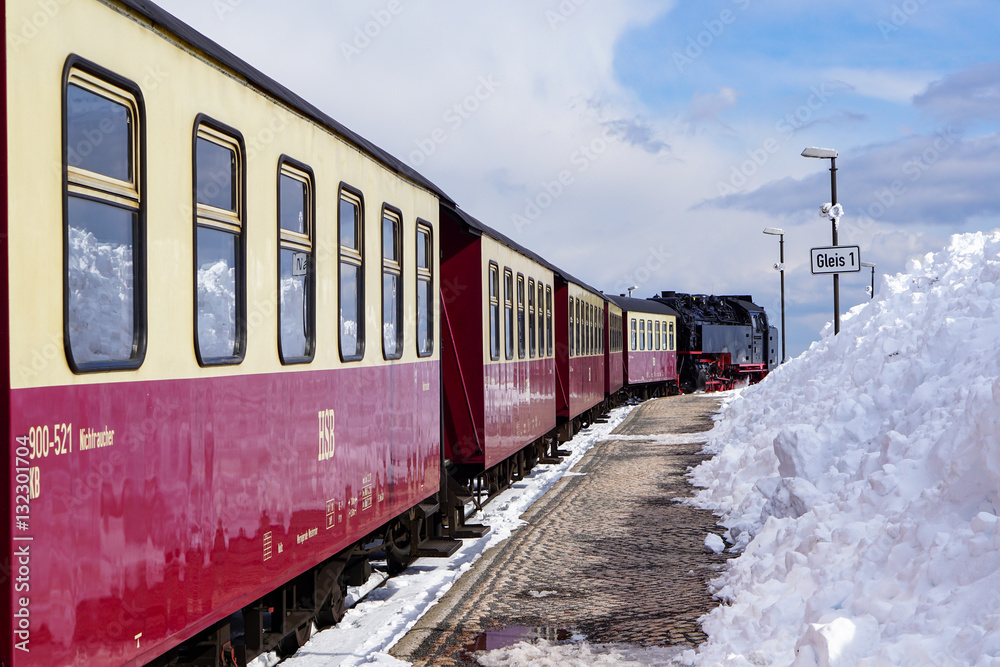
293 641
333 609
333 592
397 547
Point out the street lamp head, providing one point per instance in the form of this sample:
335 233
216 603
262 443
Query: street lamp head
774 231
819 152
868 265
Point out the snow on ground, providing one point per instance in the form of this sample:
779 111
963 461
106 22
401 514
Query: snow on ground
862 483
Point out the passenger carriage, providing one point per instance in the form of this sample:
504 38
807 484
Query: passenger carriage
499 350
650 350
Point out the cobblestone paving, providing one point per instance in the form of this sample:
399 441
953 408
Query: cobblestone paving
608 554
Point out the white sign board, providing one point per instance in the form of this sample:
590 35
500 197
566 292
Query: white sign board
836 259
300 263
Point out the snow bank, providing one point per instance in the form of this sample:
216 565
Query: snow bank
861 481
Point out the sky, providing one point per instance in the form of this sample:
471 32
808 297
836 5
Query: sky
648 143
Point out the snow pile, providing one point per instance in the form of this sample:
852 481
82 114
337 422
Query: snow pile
862 482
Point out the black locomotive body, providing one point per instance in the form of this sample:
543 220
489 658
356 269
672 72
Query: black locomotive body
722 340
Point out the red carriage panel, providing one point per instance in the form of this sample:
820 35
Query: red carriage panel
586 381
161 506
651 366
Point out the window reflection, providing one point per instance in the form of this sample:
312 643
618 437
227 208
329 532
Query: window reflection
352 334
349 330
101 281
215 258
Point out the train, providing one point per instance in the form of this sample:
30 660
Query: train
248 352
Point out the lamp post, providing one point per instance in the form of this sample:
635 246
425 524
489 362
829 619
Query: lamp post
780 233
869 265
830 154
630 290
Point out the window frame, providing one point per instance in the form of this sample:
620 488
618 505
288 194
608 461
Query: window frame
508 312
288 240
392 268
425 275
205 216
532 330
548 320
128 195
572 327
493 296
520 317
579 327
354 257
540 312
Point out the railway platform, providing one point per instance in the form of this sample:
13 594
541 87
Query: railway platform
606 553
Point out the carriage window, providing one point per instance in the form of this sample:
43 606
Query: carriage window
649 334
104 224
531 317
541 319
656 338
508 312
597 331
548 318
520 316
635 340
596 347
600 331
494 311
572 329
579 327
392 285
671 337
425 291
220 244
642 334
296 268
352 294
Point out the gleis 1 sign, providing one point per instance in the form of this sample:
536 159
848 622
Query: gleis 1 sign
836 259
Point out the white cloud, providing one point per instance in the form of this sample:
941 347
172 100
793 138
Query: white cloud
889 85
